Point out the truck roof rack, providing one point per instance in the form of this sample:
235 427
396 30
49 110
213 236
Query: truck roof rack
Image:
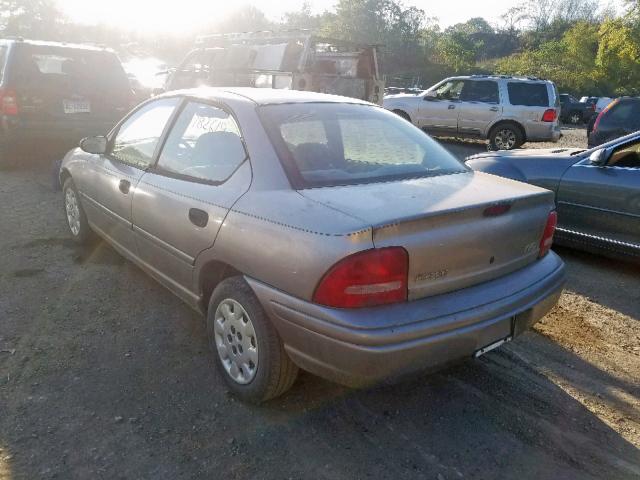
271 36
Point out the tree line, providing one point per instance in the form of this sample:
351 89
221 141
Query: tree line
587 49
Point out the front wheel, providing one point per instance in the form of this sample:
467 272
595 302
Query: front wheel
250 355
75 215
505 137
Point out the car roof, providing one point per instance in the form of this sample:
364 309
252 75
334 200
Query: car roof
265 96
42 43
500 77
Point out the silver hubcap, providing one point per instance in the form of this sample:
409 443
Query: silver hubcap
236 341
505 139
73 211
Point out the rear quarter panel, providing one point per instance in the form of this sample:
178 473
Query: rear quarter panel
285 240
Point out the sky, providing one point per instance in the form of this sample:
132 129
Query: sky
179 15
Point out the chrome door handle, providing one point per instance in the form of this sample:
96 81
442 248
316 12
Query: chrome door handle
124 186
451 107
494 109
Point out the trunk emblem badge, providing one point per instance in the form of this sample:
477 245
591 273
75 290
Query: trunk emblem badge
430 276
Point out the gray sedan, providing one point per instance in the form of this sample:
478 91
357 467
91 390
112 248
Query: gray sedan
597 191
315 232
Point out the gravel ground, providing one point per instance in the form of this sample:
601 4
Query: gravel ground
104 374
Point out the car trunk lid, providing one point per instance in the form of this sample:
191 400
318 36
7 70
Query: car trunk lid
459 230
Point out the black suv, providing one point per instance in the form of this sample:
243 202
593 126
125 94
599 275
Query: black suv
621 117
57 93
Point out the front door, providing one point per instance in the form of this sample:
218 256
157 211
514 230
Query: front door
479 107
117 173
180 204
439 114
604 201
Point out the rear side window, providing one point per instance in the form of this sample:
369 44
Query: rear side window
625 113
485 91
528 94
204 144
85 69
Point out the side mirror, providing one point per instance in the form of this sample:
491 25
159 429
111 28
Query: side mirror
599 157
431 95
96 145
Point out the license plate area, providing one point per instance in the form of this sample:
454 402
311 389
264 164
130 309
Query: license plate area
492 346
76 106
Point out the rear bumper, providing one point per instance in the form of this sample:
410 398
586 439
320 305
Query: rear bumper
364 346
543 132
17 131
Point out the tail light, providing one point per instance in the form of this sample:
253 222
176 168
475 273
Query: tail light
550 115
547 236
365 279
8 102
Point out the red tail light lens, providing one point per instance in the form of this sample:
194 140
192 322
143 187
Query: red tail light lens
365 279
8 102
547 235
549 115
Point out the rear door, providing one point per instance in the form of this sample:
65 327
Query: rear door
604 201
528 101
439 114
180 204
479 107
113 178
70 88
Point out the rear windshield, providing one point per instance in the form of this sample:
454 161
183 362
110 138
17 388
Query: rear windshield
624 113
528 94
323 144
70 66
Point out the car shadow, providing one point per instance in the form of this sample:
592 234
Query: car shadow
140 373
587 273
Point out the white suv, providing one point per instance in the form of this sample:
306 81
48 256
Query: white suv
506 110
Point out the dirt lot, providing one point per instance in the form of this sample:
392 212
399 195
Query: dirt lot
104 374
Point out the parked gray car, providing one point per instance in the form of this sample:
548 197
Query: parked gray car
597 191
317 232
507 111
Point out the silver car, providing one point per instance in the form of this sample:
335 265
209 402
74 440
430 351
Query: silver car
316 232
507 111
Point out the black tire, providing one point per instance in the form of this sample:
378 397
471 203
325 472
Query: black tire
506 136
83 234
402 114
274 372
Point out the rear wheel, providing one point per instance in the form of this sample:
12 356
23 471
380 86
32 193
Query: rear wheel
506 136
250 355
575 118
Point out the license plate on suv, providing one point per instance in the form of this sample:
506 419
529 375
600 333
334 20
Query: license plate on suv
76 106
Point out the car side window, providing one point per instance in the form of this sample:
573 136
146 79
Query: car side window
137 138
484 91
204 144
627 156
450 90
